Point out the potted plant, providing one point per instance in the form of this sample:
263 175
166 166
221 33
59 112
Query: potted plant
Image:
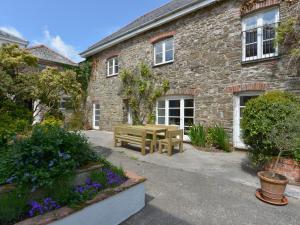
285 137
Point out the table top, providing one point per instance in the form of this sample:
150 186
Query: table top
150 128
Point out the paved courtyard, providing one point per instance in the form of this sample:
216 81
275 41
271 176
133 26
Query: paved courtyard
198 187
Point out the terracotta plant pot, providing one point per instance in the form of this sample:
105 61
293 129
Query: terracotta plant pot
272 188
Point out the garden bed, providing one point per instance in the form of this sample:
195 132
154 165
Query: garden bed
110 207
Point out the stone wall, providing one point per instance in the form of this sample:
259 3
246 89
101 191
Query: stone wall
207 64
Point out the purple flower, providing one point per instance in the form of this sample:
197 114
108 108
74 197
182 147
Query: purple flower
41 208
88 186
112 178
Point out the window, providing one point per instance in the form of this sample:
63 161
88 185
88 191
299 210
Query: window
239 106
176 111
258 35
112 66
65 103
164 51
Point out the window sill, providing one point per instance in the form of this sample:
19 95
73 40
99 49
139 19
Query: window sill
113 75
260 60
162 64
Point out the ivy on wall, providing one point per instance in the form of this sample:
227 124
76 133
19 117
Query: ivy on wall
141 89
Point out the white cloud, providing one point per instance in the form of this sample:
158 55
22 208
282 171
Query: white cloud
56 43
12 30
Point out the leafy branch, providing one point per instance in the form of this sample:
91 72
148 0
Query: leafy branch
141 89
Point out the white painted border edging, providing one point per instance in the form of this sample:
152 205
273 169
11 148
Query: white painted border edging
111 211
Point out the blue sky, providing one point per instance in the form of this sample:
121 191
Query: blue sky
70 26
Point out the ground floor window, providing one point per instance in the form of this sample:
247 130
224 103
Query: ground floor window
96 116
239 105
175 111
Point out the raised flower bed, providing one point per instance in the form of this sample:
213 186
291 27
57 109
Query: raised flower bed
110 207
53 176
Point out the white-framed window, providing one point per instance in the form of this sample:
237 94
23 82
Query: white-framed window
64 103
240 101
176 110
112 66
258 35
96 116
164 51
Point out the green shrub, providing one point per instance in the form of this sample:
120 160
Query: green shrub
61 191
52 121
99 177
197 135
219 138
56 113
14 119
262 115
50 153
13 207
76 121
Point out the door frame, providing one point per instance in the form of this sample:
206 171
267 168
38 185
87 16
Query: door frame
237 139
94 114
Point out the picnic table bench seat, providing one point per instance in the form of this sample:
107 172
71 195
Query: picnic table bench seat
173 137
124 134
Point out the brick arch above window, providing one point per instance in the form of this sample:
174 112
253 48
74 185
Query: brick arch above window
112 55
161 36
249 6
247 87
182 91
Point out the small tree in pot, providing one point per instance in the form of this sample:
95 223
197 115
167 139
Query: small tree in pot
271 128
286 137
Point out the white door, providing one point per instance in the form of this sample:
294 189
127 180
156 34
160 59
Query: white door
239 105
176 111
96 116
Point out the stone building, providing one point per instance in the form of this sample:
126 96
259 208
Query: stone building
7 38
217 54
48 57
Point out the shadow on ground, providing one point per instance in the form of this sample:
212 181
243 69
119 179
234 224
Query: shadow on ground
103 151
247 167
152 215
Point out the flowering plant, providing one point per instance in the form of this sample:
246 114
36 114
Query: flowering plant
41 208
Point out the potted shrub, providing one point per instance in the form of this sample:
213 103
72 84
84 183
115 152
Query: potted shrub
285 137
271 126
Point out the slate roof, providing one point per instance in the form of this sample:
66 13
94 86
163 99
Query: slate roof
151 17
42 52
12 38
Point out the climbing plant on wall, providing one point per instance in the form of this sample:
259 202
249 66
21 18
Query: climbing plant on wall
141 88
288 38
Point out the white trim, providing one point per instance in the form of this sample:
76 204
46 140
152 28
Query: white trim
237 140
166 99
94 115
152 25
163 42
259 27
113 59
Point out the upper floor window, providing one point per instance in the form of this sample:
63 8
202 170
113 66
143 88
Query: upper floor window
164 51
112 66
259 31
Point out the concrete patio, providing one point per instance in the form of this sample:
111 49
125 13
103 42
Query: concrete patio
198 187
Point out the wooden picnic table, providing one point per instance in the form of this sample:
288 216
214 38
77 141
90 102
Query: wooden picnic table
152 130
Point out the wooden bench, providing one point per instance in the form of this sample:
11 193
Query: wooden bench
173 137
125 134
